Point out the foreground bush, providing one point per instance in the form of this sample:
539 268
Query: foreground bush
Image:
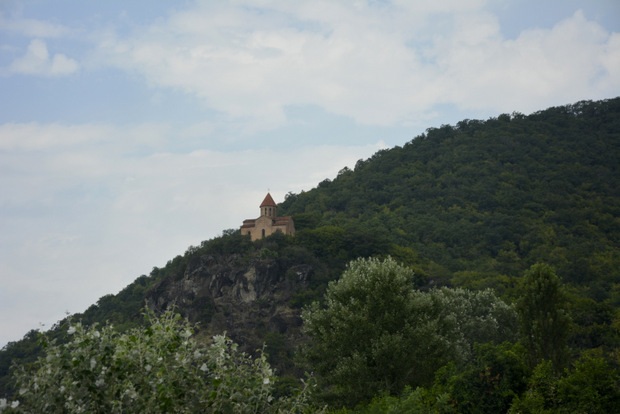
156 369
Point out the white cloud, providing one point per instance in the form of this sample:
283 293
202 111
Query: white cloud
610 62
538 69
37 61
36 136
378 64
33 27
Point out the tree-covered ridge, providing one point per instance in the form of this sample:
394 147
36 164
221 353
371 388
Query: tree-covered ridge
459 209
490 197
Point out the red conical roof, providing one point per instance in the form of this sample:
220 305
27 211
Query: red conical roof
268 202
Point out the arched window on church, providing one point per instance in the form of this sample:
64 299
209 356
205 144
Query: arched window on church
263 233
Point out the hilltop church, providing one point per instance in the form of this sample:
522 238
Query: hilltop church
268 222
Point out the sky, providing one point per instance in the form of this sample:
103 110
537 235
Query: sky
131 130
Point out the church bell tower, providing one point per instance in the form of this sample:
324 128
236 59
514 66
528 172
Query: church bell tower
268 207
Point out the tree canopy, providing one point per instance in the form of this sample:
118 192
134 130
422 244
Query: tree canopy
543 321
377 332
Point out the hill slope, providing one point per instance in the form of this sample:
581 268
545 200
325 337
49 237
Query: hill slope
470 205
491 196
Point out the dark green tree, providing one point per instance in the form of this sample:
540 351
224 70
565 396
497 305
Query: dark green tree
377 333
490 382
543 322
541 395
591 387
367 337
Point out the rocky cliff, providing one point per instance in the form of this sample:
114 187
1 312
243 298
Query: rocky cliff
248 298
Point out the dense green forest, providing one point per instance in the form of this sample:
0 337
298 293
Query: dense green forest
508 213
491 197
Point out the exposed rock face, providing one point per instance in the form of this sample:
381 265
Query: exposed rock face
246 300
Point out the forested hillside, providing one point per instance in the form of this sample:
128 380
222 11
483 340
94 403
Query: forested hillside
504 203
491 197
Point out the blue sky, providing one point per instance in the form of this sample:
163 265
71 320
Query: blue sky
130 130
